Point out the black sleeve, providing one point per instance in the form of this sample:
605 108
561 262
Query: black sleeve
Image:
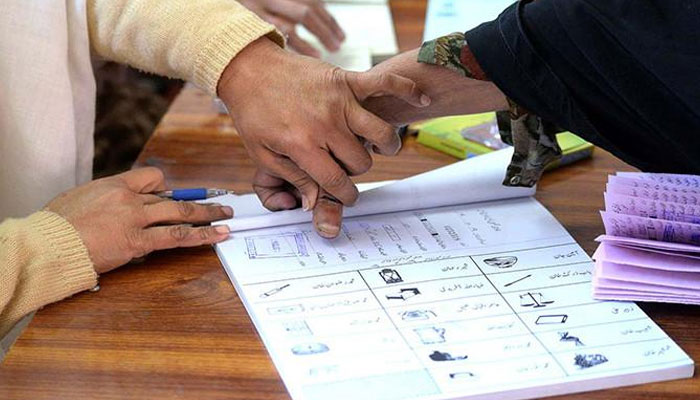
623 74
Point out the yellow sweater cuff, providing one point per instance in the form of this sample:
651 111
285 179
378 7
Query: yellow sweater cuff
74 269
231 38
44 261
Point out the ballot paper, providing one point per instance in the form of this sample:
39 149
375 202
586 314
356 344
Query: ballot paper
485 297
446 16
369 33
651 250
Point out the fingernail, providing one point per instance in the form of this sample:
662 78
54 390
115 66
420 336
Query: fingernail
425 100
305 203
328 229
228 211
222 229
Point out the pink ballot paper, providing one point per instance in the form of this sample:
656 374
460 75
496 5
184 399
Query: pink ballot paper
651 249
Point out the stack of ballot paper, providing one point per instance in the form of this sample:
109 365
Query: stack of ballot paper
651 249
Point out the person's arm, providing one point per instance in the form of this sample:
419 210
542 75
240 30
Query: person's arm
90 230
448 73
451 93
299 118
191 40
42 260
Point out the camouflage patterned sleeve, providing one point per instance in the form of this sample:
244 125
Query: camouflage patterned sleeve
534 139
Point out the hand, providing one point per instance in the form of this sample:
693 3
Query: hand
300 118
276 195
119 220
286 14
451 94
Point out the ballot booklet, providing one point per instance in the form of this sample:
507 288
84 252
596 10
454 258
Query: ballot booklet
446 285
651 250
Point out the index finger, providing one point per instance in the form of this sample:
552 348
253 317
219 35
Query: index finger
143 180
323 169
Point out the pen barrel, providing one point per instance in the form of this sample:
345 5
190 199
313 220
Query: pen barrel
190 194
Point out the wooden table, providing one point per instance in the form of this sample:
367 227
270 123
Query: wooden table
173 326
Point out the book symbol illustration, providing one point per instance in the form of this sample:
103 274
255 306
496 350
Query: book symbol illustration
551 319
502 262
534 300
390 276
403 294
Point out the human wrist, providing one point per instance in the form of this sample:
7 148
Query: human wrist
60 248
244 70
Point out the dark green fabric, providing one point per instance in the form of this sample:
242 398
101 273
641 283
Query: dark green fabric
534 139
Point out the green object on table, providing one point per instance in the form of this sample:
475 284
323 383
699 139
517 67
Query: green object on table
466 136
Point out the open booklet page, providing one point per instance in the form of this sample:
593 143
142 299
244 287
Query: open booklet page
467 181
489 300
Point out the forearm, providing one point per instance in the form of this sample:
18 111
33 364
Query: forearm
191 40
42 260
451 93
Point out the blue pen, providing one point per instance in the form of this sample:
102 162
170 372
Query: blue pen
192 194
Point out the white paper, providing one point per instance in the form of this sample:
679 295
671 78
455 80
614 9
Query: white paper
447 16
369 31
490 300
468 181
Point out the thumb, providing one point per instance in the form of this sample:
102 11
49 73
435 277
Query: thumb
376 84
143 180
328 216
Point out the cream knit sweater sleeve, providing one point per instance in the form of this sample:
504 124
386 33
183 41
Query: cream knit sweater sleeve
42 260
188 39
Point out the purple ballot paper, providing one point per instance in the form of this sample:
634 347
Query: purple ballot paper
661 195
651 249
649 208
650 228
